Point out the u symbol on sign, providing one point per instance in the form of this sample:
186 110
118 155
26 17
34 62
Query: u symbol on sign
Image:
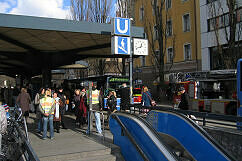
126 27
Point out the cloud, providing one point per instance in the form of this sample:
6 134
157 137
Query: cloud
4 7
41 8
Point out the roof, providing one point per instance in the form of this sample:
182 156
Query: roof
28 43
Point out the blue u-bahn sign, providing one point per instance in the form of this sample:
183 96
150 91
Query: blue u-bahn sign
121 45
122 26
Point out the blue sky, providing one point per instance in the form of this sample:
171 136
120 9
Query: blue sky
40 8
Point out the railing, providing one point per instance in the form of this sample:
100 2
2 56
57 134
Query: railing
16 144
132 140
28 151
203 117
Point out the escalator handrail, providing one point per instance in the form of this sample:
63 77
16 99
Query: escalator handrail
202 131
130 138
31 153
169 155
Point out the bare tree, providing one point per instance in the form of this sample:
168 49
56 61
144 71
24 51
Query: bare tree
226 26
157 33
95 11
124 9
92 10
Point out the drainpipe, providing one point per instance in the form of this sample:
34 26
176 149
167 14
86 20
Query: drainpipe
196 46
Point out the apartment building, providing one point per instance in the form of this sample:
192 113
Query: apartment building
181 42
221 34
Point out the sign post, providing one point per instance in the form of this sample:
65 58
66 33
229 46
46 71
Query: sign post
121 44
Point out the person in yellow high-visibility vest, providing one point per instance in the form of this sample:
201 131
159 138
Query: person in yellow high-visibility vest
96 107
47 107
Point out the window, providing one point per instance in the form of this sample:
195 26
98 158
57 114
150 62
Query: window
211 24
187 52
141 13
169 28
186 23
170 55
218 22
157 53
154 6
210 1
168 4
155 32
239 15
223 21
153 11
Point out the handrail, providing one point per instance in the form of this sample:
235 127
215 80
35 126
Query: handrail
31 154
151 132
15 118
203 132
203 115
130 138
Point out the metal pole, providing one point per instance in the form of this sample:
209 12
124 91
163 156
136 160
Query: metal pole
131 68
90 107
26 129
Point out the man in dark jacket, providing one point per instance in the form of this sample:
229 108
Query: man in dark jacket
62 97
125 100
184 105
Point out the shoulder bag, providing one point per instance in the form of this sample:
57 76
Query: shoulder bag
153 103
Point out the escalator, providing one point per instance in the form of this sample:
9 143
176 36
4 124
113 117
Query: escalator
191 136
138 140
164 135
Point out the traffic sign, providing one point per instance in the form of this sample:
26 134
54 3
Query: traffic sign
121 26
121 45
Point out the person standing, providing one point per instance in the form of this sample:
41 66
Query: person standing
96 108
83 107
125 99
146 97
47 107
38 96
77 98
111 102
57 116
62 97
23 100
16 92
184 105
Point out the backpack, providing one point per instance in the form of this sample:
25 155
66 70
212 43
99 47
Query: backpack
112 102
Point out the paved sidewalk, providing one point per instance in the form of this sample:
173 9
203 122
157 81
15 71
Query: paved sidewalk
70 144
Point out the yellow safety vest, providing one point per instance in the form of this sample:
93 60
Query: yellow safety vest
95 97
46 104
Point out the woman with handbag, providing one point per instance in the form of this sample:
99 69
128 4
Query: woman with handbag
23 100
146 101
57 116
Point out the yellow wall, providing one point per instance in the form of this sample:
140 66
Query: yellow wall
175 13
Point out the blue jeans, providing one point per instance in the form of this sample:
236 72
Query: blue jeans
45 122
40 125
98 122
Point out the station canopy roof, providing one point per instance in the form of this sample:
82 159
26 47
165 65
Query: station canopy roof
29 43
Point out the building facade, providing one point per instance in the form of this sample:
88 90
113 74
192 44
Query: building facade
221 34
180 33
